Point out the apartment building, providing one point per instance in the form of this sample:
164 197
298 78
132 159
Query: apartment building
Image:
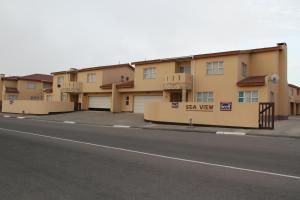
91 88
294 99
225 88
30 87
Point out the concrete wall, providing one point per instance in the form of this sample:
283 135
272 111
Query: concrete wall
36 107
240 116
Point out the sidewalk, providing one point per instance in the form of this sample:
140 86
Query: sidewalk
285 128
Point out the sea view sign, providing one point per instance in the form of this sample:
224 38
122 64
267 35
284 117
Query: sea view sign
199 107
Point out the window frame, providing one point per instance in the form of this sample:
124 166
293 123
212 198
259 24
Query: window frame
249 96
64 97
149 75
126 100
15 97
31 85
244 70
205 97
91 78
215 68
60 80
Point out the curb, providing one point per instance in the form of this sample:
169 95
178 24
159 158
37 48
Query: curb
162 129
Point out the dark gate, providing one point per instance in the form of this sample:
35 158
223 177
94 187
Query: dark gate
266 115
0 106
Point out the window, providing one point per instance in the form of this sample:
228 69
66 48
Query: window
215 68
248 96
12 97
205 97
60 80
298 91
64 97
149 73
185 69
31 85
49 97
244 70
91 78
34 98
126 100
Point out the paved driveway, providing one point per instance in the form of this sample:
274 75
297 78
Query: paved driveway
98 117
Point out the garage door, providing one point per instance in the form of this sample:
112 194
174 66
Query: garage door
99 102
139 102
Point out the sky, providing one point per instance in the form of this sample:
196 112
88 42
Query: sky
44 36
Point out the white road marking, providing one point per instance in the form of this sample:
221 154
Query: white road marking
21 117
230 133
156 155
6 116
121 126
69 122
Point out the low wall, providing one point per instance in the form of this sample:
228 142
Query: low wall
241 115
36 107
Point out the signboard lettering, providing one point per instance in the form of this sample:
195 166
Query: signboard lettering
200 108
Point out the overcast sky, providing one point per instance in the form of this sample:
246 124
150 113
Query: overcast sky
51 35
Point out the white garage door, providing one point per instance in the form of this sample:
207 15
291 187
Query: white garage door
139 102
99 102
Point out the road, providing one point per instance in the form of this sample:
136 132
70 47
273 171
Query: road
47 160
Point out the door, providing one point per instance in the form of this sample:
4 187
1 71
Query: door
139 102
176 96
101 103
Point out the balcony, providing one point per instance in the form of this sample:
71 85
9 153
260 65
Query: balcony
178 81
72 87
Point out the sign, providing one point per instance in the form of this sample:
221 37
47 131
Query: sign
175 105
199 108
226 106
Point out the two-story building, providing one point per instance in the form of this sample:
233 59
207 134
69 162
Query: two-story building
29 87
91 88
235 88
294 99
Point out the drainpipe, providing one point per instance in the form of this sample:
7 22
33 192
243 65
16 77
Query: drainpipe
193 82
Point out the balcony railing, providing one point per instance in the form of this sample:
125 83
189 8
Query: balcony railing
72 87
178 81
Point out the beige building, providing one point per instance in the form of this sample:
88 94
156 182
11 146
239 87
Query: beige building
91 88
29 87
294 99
243 88
236 88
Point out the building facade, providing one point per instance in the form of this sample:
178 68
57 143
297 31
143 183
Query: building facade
232 83
31 87
294 99
91 88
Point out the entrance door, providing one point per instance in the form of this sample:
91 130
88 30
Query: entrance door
176 96
74 99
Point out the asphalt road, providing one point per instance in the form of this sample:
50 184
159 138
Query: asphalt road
43 160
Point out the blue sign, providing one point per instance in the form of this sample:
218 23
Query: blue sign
226 106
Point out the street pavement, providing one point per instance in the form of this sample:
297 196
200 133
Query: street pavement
283 128
52 160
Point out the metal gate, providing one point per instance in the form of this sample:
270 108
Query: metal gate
266 115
